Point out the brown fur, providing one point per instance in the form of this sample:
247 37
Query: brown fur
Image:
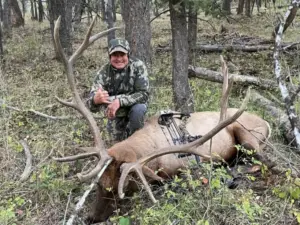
249 130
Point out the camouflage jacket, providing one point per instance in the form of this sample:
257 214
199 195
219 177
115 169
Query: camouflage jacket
130 85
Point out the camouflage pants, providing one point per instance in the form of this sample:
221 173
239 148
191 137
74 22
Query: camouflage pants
120 128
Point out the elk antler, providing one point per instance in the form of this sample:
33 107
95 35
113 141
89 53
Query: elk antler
190 147
227 84
99 147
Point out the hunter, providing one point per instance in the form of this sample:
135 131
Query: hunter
121 88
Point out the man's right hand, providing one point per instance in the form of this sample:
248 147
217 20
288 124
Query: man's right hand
100 97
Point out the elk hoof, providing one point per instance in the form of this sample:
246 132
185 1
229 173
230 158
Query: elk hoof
233 183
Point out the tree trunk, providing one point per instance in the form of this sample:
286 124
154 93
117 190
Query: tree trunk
192 31
113 2
32 9
109 18
288 21
89 12
23 8
35 10
240 7
41 10
69 4
7 28
19 20
58 7
136 16
77 11
248 8
258 5
103 10
1 11
226 7
287 96
155 8
1 37
183 98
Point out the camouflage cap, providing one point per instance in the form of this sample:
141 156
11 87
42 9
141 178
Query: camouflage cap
118 45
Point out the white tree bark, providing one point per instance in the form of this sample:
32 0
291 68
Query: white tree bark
285 92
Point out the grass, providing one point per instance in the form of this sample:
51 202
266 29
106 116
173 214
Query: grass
31 79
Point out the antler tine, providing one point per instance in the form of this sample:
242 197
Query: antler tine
138 169
187 148
227 85
84 44
90 40
95 171
57 41
69 104
75 157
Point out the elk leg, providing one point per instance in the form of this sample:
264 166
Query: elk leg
265 160
252 142
245 138
150 173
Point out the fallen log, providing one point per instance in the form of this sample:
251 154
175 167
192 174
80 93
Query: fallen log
230 48
210 75
277 113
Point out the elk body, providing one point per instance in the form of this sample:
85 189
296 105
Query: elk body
249 130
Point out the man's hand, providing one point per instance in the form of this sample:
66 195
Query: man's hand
101 97
112 109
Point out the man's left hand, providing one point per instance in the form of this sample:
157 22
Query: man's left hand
112 109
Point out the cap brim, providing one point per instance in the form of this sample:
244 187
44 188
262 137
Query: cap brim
118 49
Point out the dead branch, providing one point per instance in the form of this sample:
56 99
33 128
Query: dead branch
278 114
210 75
159 14
27 171
4 105
80 203
67 206
48 116
35 112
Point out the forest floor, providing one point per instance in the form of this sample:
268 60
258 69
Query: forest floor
31 79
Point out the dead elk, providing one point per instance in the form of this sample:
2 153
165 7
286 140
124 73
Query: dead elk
249 130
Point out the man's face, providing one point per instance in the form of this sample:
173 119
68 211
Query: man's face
119 60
